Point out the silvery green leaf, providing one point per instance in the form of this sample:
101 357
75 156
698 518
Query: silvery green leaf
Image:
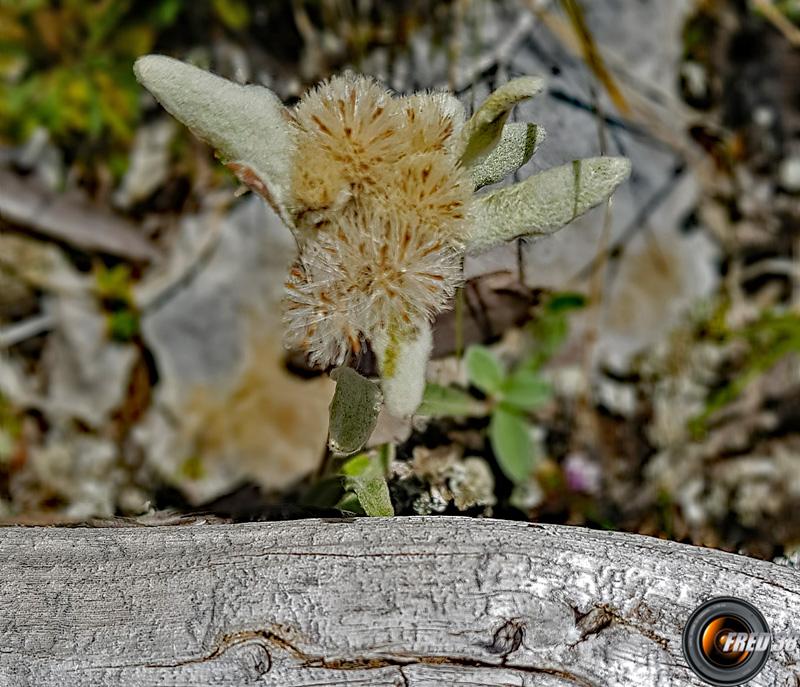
353 412
248 125
365 475
484 369
545 202
447 401
483 130
517 145
402 362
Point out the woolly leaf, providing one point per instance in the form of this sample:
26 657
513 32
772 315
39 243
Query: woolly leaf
510 437
365 475
402 361
483 130
517 145
353 411
484 369
248 125
547 201
373 495
447 401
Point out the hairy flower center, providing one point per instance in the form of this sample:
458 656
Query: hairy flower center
380 204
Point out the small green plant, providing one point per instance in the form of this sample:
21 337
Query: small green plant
355 484
364 481
511 395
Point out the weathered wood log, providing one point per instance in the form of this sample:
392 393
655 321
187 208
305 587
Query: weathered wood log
403 601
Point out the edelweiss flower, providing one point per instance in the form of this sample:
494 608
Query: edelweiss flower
379 201
379 193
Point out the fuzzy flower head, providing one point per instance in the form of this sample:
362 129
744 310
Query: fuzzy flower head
380 200
379 191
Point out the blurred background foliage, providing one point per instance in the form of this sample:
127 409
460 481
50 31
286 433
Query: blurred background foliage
66 66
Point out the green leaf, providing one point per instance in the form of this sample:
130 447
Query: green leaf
373 495
484 369
483 130
357 466
353 411
517 145
365 476
447 401
545 202
526 390
510 437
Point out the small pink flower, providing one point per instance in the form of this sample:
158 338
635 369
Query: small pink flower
582 474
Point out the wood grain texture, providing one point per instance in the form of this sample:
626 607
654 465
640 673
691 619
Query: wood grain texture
403 601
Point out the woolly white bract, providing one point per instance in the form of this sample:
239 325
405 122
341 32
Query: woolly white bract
379 192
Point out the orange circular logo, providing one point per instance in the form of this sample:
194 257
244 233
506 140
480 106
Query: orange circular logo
726 641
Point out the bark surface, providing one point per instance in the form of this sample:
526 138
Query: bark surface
404 602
